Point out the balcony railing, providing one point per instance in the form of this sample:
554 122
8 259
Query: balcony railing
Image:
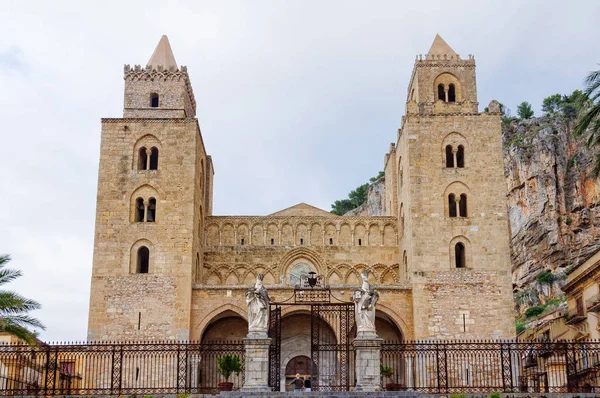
593 304
574 316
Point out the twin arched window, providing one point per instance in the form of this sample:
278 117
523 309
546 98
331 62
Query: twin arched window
145 211
447 95
455 158
148 161
457 206
143 260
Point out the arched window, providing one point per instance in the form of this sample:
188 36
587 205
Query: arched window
142 158
405 261
460 156
154 158
143 260
451 205
449 156
154 100
441 92
451 93
297 271
151 210
459 255
140 210
463 205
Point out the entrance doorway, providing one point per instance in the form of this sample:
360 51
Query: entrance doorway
298 365
321 347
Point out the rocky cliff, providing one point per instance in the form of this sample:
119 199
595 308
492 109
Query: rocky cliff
552 204
374 206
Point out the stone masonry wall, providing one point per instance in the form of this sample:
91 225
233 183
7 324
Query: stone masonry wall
484 231
156 305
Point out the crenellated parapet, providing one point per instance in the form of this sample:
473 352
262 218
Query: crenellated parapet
170 74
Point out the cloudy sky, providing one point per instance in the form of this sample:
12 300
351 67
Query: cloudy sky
297 101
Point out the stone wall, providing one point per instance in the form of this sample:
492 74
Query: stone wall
125 305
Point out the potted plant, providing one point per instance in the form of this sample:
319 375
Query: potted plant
388 372
226 365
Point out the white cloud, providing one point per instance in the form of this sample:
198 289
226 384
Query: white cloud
297 101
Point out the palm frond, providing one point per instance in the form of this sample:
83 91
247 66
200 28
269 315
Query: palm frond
592 77
8 275
19 332
4 258
12 303
584 122
22 320
591 87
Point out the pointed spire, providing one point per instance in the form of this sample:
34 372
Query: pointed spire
440 47
163 55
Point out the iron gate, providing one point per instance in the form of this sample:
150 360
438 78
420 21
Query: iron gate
332 329
332 354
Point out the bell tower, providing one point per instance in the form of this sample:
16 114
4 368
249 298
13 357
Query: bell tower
450 199
154 192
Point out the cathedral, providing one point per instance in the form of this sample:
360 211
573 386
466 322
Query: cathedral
166 268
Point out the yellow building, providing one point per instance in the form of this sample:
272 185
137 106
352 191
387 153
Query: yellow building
583 299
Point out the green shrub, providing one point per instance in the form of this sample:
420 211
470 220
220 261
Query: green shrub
495 395
569 221
457 396
228 364
546 277
534 311
386 371
524 110
520 326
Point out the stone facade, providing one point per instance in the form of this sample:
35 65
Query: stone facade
473 301
166 268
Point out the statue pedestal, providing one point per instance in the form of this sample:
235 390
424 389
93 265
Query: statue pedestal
256 362
368 373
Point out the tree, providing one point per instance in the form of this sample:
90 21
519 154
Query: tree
341 207
14 319
373 179
589 120
524 110
552 104
355 198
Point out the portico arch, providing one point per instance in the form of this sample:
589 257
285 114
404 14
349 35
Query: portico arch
394 319
296 340
224 311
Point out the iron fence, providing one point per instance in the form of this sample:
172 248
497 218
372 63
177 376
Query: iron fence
492 366
423 366
115 368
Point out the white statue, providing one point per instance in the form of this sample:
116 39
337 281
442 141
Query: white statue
364 306
257 300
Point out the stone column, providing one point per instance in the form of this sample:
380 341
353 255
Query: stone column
257 363
368 373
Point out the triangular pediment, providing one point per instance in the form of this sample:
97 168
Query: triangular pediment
301 210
